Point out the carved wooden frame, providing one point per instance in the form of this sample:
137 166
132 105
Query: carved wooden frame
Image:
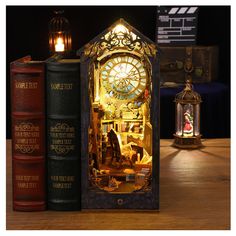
92 196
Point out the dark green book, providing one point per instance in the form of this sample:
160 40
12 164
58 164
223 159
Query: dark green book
63 119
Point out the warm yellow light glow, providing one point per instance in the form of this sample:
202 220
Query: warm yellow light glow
59 47
97 98
120 29
188 135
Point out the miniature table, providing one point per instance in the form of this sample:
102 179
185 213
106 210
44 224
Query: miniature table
194 194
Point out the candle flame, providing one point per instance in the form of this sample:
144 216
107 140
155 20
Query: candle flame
59 47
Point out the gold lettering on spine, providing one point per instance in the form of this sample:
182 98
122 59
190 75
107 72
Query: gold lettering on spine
27 181
62 182
26 85
26 137
63 86
62 137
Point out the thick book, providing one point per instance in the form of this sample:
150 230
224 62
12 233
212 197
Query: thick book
63 152
28 134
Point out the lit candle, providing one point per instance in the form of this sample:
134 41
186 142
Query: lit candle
59 47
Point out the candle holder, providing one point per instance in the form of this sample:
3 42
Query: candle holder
59 34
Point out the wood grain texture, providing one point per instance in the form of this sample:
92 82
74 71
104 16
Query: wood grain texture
194 194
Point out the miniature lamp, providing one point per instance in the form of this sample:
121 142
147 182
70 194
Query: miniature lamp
59 34
187 112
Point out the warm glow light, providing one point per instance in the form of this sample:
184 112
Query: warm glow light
120 29
59 47
97 98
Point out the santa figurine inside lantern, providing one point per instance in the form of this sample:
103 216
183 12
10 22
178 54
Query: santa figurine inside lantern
59 34
187 134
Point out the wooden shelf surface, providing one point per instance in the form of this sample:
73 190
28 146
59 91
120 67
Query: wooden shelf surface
194 194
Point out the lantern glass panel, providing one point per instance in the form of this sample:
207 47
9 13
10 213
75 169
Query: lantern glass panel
188 118
197 120
179 117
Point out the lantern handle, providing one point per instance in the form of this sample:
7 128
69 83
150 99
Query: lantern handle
188 84
58 12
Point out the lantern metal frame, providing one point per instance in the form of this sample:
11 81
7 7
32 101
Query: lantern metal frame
187 97
59 27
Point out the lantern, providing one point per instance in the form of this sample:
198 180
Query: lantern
59 34
187 133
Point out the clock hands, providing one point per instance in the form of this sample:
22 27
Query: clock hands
126 77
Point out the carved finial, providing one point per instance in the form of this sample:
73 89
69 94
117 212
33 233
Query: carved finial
188 85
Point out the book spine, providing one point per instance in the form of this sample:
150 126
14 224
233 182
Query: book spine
63 136
28 131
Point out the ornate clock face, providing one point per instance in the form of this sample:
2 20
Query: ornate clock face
124 77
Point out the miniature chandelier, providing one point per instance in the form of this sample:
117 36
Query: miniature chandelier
59 34
187 133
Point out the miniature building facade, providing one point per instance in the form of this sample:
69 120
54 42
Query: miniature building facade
120 120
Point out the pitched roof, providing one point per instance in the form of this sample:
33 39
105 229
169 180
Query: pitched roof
109 29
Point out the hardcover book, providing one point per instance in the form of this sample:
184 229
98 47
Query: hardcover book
62 134
28 129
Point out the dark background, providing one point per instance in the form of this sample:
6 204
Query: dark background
27 34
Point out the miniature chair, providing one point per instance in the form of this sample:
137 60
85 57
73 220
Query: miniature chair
121 153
